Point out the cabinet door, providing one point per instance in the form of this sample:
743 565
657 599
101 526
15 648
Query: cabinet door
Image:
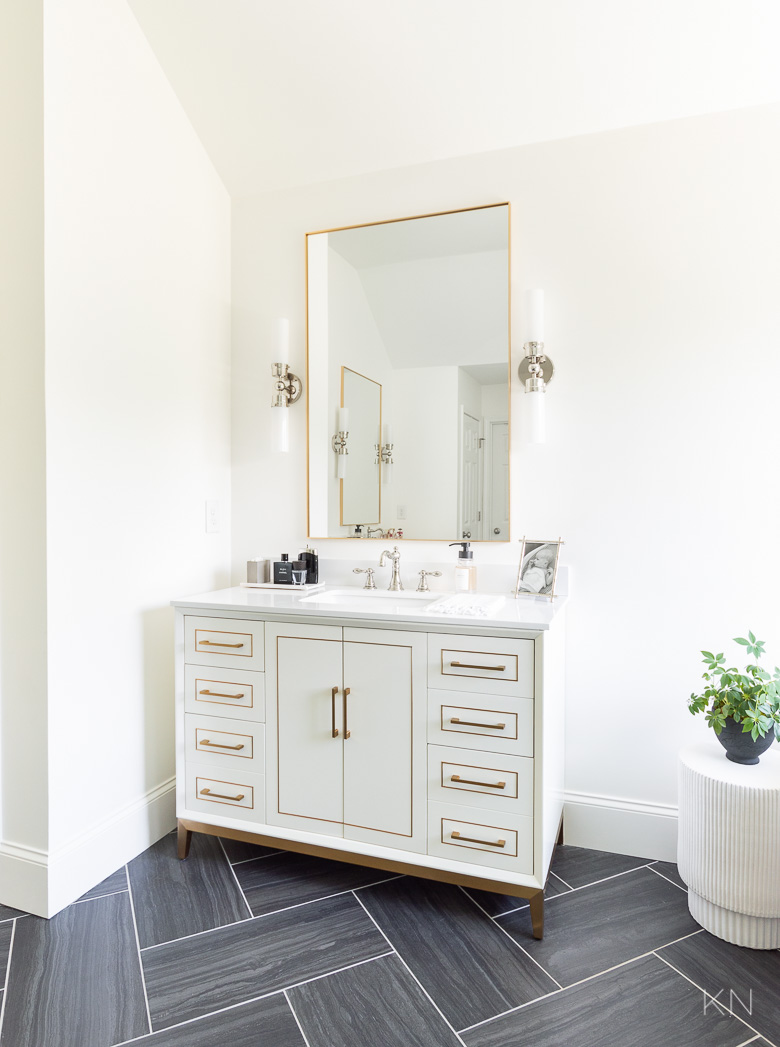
384 753
308 757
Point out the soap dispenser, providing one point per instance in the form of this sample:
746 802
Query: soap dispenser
465 571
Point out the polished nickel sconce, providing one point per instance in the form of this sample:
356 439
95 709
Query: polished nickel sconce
384 454
536 369
339 442
287 387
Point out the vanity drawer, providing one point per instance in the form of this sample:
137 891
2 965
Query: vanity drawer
223 794
495 782
217 742
483 664
480 837
225 692
475 721
228 642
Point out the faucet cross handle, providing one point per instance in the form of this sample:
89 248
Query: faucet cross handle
369 573
424 575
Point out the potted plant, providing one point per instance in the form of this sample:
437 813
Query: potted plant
742 708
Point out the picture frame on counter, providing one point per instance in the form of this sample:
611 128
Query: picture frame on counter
538 567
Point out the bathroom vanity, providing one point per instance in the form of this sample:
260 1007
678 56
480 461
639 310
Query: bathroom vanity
369 728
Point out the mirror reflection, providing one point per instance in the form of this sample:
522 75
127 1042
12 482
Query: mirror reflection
408 367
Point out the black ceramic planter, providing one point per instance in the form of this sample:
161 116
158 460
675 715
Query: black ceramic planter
740 747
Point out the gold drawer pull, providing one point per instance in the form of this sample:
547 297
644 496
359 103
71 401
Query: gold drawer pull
220 796
490 668
487 785
470 839
216 643
220 745
472 723
216 694
334 731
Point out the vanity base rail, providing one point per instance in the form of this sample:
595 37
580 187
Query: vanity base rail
186 827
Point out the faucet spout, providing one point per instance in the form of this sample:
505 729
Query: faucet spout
395 585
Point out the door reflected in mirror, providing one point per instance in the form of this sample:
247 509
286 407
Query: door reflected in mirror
408 333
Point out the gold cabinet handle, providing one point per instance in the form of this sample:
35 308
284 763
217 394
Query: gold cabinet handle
470 839
346 695
220 796
468 781
220 745
473 723
334 731
490 668
216 643
217 694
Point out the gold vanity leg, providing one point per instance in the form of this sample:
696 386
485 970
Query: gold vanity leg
184 838
536 903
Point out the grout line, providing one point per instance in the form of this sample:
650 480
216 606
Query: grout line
696 985
138 948
260 916
512 940
746 1042
21 916
582 981
376 883
412 974
297 1022
257 857
109 894
573 890
7 974
564 882
235 878
255 999
668 879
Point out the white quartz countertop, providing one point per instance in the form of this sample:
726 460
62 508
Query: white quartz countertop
530 613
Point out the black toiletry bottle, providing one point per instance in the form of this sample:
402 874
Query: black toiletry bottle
309 556
283 571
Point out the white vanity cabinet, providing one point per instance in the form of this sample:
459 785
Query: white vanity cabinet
425 747
346 721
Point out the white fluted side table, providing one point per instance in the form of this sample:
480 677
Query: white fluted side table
728 848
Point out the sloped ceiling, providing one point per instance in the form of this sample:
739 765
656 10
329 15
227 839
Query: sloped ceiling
289 92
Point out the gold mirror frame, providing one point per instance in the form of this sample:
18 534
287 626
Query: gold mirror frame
391 221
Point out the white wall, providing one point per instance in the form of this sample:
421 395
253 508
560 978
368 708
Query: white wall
657 249
23 822
137 270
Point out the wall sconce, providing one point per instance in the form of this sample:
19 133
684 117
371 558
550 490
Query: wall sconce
339 442
536 369
384 454
287 387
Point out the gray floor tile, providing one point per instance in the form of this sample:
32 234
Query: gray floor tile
590 930
495 904
117 881
462 959
173 898
288 879
579 866
238 851
6 929
7 913
377 1003
262 1023
75 980
639 1005
231 965
752 975
669 870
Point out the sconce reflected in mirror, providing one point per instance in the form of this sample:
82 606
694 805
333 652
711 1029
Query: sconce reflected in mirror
384 454
287 388
339 442
536 370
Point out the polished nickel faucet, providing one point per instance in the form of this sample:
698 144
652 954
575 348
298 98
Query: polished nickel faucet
395 579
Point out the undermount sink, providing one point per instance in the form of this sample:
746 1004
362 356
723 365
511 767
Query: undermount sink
374 596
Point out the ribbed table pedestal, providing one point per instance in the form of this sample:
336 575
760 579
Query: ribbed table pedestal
728 849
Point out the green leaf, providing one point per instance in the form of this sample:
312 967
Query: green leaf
708 656
752 637
738 639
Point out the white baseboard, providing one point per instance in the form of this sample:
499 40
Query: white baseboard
648 830
44 883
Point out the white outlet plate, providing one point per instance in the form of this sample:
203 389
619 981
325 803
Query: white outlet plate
212 516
